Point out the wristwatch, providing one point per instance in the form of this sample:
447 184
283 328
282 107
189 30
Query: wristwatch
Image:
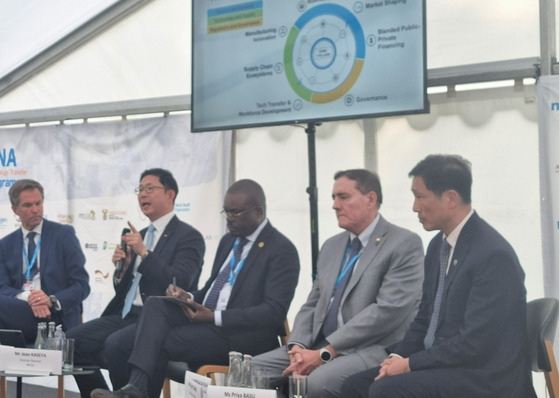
54 302
325 355
143 256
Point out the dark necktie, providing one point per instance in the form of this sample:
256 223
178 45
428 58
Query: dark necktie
430 335
30 251
223 277
331 321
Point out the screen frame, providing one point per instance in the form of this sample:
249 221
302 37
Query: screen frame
314 120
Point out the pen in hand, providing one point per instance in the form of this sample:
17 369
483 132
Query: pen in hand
174 284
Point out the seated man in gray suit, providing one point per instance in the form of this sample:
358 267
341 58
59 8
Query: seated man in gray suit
366 293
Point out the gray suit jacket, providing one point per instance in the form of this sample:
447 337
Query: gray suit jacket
380 301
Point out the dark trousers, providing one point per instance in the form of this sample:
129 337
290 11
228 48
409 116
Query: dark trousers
17 314
164 333
89 349
428 383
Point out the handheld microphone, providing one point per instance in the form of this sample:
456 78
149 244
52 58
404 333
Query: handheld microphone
120 263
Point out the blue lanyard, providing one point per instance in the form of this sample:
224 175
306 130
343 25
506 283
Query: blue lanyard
347 267
31 264
235 271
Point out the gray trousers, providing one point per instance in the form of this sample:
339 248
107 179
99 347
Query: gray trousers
324 382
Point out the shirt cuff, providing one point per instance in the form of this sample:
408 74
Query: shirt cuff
217 318
24 295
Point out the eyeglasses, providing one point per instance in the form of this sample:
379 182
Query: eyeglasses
147 189
235 214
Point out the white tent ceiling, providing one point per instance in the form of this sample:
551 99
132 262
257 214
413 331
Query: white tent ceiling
148 55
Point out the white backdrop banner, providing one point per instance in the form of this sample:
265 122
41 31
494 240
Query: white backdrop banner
548 105
89 172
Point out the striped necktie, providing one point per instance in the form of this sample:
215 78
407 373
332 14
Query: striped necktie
443 258
331 320
31 246
223 276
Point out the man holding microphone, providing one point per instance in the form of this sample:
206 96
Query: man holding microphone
167 249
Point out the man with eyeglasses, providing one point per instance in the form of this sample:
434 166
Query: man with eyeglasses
242 306
168 251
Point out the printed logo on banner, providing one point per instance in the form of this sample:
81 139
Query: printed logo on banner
114 214
182 207
554 106
8 160
3 223
110 246
91 246
87 216
65 218
99 277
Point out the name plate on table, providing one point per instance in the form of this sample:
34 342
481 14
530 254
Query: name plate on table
196 385
238 392
29 361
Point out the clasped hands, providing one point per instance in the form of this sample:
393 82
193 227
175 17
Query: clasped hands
196 312
392 366
302 361
40 303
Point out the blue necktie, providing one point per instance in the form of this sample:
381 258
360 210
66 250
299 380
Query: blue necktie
430 335
134 287
331 321
223 276
30 251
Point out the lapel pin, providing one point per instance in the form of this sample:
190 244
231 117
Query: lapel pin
260 244
378 241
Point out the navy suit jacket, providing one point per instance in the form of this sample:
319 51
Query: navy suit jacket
179 253
482 324
262 292
62 269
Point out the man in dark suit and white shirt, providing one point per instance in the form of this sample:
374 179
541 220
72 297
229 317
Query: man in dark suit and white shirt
340 331
469 338
169 249
42 267
242 307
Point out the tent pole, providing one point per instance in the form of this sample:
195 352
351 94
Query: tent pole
312 190
548 51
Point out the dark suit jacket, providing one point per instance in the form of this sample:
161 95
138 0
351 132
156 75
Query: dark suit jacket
61 270
482 324
262 292
179 253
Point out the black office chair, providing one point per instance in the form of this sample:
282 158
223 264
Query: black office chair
542 324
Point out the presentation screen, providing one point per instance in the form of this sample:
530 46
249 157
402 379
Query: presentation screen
271 62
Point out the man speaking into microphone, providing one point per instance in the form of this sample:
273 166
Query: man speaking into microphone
147 262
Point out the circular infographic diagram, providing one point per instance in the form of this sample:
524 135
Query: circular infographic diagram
324 53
